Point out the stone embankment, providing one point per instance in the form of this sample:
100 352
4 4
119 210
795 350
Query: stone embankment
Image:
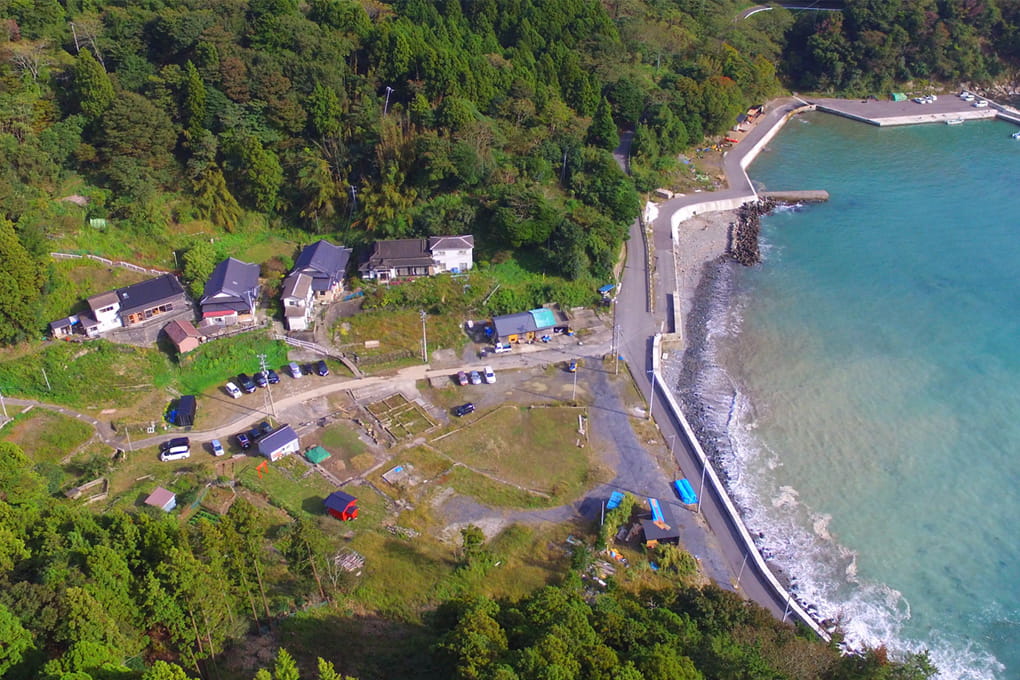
743 239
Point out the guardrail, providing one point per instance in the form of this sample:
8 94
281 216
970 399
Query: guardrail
109 262
752 550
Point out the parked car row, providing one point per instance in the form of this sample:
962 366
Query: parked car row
476 377
243 384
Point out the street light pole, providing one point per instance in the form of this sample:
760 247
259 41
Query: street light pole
386 106
573 394
701 491
424 339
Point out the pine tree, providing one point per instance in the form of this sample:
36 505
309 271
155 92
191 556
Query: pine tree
602 132
194 107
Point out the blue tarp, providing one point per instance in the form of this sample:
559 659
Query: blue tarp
685 491
653 503
615 499
606 288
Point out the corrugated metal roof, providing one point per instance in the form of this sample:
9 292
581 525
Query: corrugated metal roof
544 318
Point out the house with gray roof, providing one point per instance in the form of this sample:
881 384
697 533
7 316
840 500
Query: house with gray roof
318 276
523 326
326 265
410 258
231 293
281 442
133 305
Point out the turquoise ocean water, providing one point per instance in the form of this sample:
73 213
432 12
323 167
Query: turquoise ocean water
868 381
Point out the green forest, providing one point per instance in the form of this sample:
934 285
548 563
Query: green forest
129 129
145 129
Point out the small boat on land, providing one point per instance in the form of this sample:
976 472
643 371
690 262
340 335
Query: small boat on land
1016 135
954 121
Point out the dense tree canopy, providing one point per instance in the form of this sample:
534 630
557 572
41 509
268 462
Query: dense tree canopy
361 118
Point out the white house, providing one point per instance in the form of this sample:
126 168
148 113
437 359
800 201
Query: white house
297 301
105 313
412 257
326 265
452 253
281 442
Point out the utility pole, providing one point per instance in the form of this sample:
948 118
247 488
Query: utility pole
386 106
127 431
270 404
177 265
651 395
742 565
424 339
573 394
46 378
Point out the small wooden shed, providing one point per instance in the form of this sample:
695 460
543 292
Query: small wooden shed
183 334
161 498
342 505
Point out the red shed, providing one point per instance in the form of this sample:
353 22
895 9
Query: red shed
342 506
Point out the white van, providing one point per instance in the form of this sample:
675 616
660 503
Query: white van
233 390
177 448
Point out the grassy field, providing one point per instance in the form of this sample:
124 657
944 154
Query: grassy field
94 374
400 331
534 448
45 436
102 374
213 362
287 484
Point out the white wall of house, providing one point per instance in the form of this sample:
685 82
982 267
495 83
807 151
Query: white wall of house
108 317
453 259
290 447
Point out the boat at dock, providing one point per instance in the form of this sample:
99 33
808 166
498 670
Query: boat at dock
1016 135
954 121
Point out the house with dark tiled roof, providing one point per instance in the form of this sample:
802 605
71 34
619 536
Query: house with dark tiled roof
132 305
318 276
231 293
326 265
413 257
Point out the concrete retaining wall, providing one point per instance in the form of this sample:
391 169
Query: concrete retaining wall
752 550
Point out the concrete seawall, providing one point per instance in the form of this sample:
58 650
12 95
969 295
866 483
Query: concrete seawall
754 556
744 190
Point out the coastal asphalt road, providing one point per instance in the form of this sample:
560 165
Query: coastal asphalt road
638 324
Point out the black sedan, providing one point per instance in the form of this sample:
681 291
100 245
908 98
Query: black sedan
464 409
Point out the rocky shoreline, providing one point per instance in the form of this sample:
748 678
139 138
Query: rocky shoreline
742 245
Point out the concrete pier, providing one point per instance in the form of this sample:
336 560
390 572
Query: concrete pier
809 196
